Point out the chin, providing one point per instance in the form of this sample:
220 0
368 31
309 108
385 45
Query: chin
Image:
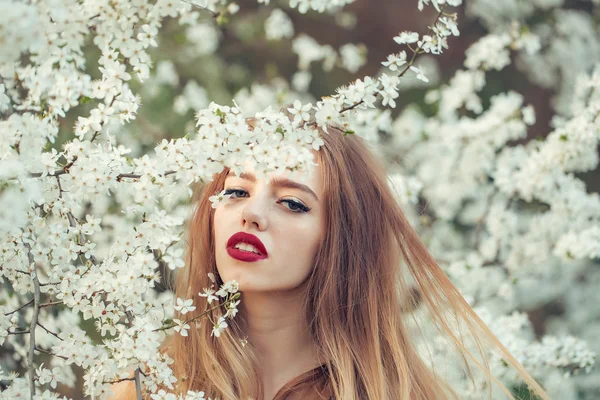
247 274
240 273
246 282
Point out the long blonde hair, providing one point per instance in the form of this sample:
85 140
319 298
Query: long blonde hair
357 298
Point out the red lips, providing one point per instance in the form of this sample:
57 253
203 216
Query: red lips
247 238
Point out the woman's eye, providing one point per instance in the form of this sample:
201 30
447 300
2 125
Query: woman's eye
293 206
232 191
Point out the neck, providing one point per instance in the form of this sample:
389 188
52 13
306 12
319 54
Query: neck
276 326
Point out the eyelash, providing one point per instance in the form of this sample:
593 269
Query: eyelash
301 207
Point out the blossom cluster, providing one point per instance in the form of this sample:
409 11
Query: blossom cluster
533 225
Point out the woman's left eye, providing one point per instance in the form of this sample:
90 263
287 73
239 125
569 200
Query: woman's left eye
232 191
293 206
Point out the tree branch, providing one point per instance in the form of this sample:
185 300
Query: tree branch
119 380
18 332
54 303
65 170
138 384
49 331
215 15
164 328
34 321
137 378
20 308
137 176
50 353
416 52
50 283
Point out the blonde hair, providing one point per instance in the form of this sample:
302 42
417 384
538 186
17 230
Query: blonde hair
356 298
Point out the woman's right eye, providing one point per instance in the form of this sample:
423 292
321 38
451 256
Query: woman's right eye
233 192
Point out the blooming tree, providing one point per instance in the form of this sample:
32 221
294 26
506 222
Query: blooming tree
86 235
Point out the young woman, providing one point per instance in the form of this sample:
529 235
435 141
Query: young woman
324 291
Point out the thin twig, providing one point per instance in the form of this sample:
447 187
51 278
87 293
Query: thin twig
95 135
164 328
73 224
136 176
50 353
49 331
119 380
20 308
410 63
50 283
54 303
39 174
137 378
214 14
64 170
22 272
19 332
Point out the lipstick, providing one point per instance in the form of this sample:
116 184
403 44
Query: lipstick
247 256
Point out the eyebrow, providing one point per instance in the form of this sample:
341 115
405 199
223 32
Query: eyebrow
279 182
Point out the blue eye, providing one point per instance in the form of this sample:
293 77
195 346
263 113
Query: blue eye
232 191
293 206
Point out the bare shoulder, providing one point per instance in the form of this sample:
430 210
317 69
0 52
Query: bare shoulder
122 391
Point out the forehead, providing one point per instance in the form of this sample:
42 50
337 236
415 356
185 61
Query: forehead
311 177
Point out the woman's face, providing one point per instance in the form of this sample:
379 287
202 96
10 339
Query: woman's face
287 220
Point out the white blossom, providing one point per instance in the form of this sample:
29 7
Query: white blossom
419 73
278 25
209 294
184 306
406 37
300 112
181 327
219 327
353 56
395 60
219 199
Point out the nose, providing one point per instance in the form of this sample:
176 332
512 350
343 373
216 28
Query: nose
254 213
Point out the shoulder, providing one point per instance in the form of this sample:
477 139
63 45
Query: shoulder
125 390
122 391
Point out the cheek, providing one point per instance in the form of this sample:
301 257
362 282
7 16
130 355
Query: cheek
219 223
301 243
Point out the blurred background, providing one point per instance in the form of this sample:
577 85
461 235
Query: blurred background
260 58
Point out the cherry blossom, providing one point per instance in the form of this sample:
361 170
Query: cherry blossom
219 327
184 306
